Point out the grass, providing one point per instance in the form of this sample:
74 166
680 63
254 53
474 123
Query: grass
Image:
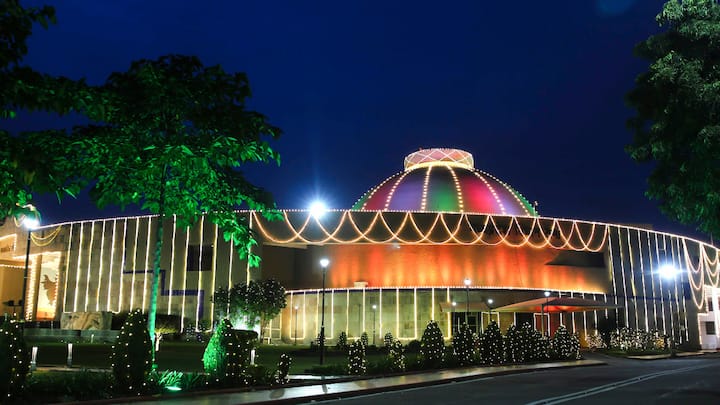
187 356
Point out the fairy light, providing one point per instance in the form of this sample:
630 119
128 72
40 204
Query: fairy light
172 264
347 311
214 267
458 189
642 278
67 266
669 293
624 279
147 269
77 268
426 181
89 265
100 266
332 314
682 286
200 272
247 261
363 310
380 307
522 202
184 281
112 262
397 312
492 191
652 281
631 258
123 255
392 190
134 264
449 316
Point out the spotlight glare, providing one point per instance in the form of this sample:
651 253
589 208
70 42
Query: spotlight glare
318 209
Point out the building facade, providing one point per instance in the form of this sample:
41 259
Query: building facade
399 258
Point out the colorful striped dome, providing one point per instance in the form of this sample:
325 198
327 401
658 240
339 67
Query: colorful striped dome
446 180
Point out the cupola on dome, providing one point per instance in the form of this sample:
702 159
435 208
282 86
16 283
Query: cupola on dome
444 180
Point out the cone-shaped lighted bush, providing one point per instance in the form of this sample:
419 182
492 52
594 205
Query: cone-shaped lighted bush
463 345
564 345
283 369
517 343
223 357
396 356
539 346
491 346
132 356
432 346
356 358
14 361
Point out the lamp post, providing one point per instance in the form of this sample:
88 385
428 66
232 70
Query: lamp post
324 264
467 299
489 304
29 224
296 309
542 312
454 304
374 307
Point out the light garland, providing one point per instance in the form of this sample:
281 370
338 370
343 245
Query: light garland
100 273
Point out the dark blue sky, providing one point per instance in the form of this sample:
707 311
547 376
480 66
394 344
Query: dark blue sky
534 90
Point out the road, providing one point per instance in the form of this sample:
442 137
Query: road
694 380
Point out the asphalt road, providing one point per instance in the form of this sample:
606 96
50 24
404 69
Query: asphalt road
692 380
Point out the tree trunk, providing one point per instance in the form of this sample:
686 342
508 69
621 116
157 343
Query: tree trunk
156 266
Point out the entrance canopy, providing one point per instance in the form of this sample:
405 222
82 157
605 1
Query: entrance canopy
556 304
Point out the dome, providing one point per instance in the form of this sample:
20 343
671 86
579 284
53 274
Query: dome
445 180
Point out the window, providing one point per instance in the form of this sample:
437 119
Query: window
709 328
194 260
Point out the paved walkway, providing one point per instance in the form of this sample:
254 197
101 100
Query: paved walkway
355 387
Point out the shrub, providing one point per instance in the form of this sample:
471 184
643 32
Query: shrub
565 345
356 358
463 346
539 345
491 345
342 342
328 369
396 356
132 355
364 339
51 387
413 346
517 344
388 339
283 369
223 357
432 347
14 360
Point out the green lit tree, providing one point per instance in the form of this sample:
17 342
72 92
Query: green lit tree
677 103
432 346
256 302
33 162
223 357
464 345
357 364
565 345
491 344
131 356
14 360
173 137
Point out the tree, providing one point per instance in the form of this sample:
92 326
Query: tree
223 356
677 120
14 360
173 138
432 346
255 302
491 345
463 345
357 363
131 355
33 162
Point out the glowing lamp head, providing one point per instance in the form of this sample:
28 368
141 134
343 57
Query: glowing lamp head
296 307
324 262
454 303
490 301
30 223
547 293
374 307
667 271
318 209
467 282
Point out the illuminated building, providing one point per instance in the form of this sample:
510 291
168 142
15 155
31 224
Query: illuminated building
406 247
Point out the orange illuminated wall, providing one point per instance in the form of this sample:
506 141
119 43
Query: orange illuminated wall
448 265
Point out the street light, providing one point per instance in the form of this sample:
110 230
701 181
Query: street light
374 307
542 312
296 309
467 299
489 305
324 264
454 304
28 223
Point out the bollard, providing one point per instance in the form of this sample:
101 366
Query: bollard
33 359
69 357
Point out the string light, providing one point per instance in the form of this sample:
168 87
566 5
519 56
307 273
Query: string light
100 272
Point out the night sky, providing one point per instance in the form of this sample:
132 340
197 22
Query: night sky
534 90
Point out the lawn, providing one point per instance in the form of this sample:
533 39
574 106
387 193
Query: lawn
187 356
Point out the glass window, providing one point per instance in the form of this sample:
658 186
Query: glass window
709 328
